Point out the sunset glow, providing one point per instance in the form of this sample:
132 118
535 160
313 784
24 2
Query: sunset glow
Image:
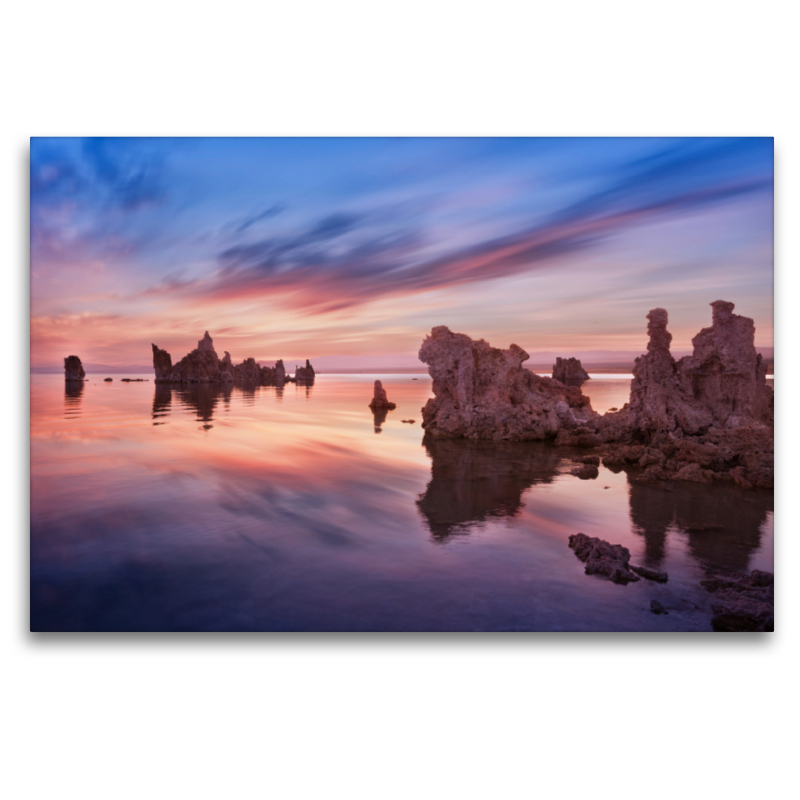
348 251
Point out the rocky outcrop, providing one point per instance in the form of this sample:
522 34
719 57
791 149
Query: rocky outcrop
707 417
742 602
610 560
304 374
483 392
73 369
569 371
379 398
602 558
203 365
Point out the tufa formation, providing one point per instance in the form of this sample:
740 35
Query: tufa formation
73 369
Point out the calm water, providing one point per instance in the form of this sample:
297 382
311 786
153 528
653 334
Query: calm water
155 508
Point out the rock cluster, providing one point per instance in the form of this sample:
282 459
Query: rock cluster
742 602
379 398
569 371
610 560
73 369
483 392
707 417
203 365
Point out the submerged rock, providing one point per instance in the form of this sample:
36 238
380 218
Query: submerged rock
602 558
379 398
107 380
482 392
742 602
73 369
569 371
657 608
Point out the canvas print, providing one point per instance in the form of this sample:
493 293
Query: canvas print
410 384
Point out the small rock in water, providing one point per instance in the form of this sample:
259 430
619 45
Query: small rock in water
650 574
657 608
603 558
409 421
108 380
379 398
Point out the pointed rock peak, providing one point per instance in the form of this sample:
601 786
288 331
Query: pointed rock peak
206 343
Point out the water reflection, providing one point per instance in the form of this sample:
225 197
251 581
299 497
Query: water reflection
476 481
722 523
162 401
73 391
203 399
378 418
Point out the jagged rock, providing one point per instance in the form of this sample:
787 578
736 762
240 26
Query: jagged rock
73 369
706 417
162 364
586 472
569 371
203 366
305 373
602 558
379 398
742 602
482 392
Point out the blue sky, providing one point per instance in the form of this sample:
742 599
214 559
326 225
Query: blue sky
352 249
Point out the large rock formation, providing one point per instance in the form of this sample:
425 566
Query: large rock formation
203 365
706 417
482 392
569 371
380 399
742 602
73 369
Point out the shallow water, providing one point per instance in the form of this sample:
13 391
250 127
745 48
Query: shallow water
155 508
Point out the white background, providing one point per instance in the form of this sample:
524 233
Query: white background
501 716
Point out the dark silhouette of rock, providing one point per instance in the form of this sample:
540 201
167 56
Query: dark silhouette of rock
73 369
305 373
602 558
569 371
475 481
742 602
379 398
202 365
107 380
482 392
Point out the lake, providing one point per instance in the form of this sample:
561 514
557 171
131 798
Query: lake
204 509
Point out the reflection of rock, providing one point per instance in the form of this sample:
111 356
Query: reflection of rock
378 418
474 481
722 524
73 391
73 369
203 398
569 371
203 366
742 602
482 392
379 398
162 400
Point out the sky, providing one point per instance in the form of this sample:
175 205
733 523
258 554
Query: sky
348 251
